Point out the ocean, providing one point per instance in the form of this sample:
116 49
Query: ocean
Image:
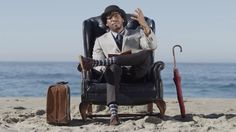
199 80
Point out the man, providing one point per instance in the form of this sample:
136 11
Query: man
130 67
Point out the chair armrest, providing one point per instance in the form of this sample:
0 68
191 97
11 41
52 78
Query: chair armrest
155 71
159 65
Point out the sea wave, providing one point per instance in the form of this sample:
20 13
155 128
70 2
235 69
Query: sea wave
198 80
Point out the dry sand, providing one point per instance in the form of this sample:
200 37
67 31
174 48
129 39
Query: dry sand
28 114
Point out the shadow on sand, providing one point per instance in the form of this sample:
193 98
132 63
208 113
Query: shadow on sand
188 118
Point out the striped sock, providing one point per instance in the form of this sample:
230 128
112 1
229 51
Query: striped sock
105 62
113 109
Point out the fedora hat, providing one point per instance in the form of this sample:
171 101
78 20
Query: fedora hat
109 10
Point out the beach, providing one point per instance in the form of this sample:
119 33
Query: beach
26 114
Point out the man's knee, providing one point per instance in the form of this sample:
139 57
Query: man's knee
112 73
147 52
147 55
113 70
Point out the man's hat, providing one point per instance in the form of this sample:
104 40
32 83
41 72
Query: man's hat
109 10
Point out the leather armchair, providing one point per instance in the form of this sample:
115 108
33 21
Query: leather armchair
94 92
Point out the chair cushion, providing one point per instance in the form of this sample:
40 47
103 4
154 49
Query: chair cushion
124 87
129 94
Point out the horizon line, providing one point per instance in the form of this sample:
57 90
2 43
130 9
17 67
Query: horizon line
46 61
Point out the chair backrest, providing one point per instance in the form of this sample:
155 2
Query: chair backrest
93 28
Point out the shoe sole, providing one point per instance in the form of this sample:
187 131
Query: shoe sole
81 62
116 124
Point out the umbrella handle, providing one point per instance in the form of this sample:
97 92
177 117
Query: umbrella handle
173 51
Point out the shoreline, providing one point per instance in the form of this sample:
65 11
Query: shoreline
202 114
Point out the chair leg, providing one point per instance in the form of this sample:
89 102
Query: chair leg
83 107
90 109
150 108
161 106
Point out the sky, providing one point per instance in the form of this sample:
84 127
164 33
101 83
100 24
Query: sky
51 30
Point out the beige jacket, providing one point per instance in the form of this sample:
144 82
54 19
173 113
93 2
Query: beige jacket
134 40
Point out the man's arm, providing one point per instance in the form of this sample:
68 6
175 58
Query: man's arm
138 16
149 42
148 39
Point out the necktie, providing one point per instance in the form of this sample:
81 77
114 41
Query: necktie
119 39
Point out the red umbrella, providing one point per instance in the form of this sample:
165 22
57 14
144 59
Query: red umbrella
177 80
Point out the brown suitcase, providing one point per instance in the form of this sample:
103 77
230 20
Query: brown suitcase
58 104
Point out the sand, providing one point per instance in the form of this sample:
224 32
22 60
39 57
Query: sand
26 114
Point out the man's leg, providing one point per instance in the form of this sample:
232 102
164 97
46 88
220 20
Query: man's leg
113 77
135 59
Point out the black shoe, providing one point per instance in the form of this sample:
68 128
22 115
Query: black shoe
86 63
114 120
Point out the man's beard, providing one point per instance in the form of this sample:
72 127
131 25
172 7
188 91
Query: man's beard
116 27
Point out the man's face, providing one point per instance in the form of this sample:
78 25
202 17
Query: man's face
115 22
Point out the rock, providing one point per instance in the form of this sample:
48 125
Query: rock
11 120
26 115
19 108
40 112
152 119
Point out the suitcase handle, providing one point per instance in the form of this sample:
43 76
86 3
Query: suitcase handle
62 82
